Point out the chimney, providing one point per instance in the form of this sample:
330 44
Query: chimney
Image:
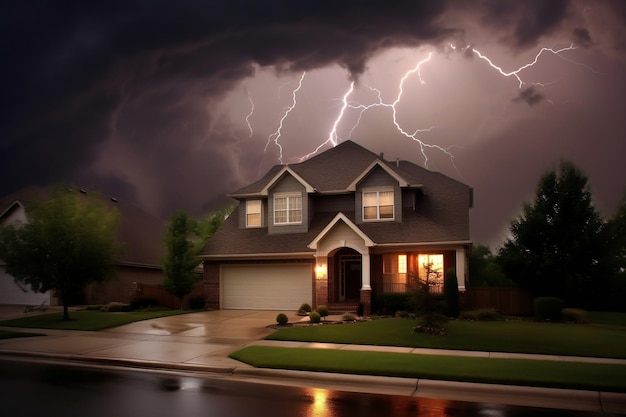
398 162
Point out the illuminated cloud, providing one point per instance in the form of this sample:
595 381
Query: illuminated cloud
173 104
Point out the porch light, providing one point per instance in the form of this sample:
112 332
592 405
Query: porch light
320 271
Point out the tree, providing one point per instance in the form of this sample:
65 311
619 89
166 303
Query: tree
67 243
181 261
617 285
484 269
184 238
558 244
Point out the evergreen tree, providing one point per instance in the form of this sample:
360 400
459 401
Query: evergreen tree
558 245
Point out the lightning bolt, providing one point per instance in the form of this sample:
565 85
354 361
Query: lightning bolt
251 113
346 106
275 137
516 72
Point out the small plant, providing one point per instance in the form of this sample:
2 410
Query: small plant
116 307
348 317
322 310
402 314
432 324
304 309
314 317
282 319
575 315
548 308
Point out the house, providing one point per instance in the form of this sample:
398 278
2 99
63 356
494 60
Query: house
139 233
334 229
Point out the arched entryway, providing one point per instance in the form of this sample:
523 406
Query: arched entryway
346 276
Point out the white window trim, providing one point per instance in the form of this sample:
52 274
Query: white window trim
288 196
260 213
378 191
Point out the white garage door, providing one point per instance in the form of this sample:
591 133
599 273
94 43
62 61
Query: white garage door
10 293
266 287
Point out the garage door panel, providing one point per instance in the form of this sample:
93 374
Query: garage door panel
266 287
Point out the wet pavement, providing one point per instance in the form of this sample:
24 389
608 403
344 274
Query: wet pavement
201 342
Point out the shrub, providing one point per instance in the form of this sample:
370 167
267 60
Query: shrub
575 315
548 308
360 310
322 310
451 293
196 303
348 317
304 309
389 303
314 317
140 303
282 319
481 314
432 324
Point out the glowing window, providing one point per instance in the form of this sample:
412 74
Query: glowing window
431 268
402 264
253 213
378 205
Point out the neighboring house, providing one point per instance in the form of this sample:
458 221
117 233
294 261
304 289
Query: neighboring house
334 229
139 233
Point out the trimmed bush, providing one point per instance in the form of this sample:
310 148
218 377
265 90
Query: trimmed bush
322 310
389 303
115 307
432 324
348 317
360 310
451 293
575 315
548 308
481 314
314 317
282 319
304 309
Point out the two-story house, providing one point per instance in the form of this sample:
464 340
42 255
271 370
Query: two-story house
335 228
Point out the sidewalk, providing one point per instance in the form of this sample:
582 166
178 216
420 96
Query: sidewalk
201 342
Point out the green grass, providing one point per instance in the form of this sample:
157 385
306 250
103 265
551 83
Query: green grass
594 340
86 320
497 371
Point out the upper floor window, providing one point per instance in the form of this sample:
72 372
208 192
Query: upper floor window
378 205
253 213
288 209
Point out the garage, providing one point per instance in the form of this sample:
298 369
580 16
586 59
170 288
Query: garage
266 287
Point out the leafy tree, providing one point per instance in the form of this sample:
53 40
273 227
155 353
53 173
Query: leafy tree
485 270
558 244
181 261
617 285
67 243
184 238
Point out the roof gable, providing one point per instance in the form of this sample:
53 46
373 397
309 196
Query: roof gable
343 218
378 163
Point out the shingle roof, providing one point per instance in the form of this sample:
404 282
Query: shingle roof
441 217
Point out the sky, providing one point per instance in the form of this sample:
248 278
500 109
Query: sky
173 105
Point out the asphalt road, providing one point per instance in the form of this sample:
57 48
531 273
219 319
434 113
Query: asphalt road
36 388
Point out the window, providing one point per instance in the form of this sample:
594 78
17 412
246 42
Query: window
253 213
288 209
378 205
394 273
431 270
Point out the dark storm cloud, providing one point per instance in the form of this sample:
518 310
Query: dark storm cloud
582 37
529 96
83 77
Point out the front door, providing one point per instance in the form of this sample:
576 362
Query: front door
349 277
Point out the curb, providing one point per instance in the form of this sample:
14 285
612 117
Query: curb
567 399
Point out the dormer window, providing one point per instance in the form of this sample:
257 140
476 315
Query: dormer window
287 209
378 205
253 213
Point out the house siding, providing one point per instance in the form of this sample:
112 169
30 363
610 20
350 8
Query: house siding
378 178
287 184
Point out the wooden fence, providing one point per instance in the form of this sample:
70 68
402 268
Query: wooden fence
506 300
163 298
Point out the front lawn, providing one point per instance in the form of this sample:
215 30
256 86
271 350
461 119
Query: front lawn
593 340
453 368
86 320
